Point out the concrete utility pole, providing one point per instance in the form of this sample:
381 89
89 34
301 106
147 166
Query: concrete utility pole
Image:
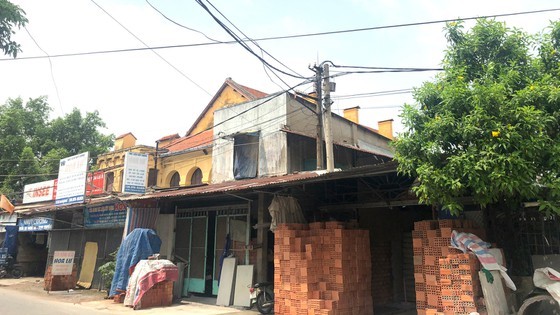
319 109
327 118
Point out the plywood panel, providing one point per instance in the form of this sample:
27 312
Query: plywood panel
227 279
243 281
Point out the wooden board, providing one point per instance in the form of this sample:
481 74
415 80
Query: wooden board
494 294
227 279
243 281
88 265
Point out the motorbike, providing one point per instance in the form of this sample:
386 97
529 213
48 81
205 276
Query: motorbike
262 294
9 267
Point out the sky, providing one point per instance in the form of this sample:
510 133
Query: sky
157 92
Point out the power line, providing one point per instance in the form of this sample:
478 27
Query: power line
51 67
242 42
147 46
284 36
181 25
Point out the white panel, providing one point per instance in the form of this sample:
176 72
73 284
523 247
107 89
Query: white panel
164 229
243 280
227 279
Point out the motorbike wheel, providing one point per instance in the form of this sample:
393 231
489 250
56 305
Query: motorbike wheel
2 273
17 273
265 302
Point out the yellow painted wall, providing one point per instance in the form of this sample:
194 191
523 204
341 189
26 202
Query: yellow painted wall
228 97
114 162
185 164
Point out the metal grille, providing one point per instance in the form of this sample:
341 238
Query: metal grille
541 232
201 212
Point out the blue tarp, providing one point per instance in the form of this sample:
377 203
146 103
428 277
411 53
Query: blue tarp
138 245
11 240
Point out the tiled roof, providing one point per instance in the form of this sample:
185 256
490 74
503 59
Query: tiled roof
169 137
204 138
126 134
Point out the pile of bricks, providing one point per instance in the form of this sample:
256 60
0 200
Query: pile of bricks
431 243
160 294
322 269
460 286
60 283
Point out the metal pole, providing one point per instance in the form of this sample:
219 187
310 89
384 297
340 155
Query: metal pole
327 119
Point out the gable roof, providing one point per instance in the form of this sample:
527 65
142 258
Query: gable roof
169 137
126 134
249 93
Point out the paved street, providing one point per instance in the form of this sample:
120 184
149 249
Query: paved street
26 296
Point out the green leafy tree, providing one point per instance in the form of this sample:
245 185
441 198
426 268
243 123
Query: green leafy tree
33 144
488 125
11 17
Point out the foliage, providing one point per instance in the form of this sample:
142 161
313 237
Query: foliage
32 144
107 270
11 17
488 125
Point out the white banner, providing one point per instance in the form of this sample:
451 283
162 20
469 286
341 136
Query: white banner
72 175
135 173
41 191
63 263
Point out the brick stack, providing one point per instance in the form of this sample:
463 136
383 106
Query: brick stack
431 242
60 283
460 285
322 269
160 294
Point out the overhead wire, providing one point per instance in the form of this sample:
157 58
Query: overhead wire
155 52
242 42
282 37
181 25
51 67
253 42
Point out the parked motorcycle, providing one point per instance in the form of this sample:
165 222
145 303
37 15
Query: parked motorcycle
262 294
9 267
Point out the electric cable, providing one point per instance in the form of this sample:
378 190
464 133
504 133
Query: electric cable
282 37
155 52
51 67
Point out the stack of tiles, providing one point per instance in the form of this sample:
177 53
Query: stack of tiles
322 269
431 242
460 286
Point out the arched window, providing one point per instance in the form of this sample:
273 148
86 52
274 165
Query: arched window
196 178
109 181
175 180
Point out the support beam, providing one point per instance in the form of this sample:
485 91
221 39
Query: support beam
262 241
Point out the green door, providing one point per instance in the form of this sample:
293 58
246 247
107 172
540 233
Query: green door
190 245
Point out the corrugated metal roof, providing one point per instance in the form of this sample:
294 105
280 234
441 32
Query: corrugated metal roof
264 182
41 207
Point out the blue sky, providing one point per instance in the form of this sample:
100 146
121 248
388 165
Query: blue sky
139 92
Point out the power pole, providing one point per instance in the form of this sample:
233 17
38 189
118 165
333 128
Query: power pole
327 118
319 109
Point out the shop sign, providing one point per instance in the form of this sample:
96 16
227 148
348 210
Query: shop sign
63 263
41 191
42 223
72 174
95 183
135 173
107 215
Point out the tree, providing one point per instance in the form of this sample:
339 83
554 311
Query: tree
32 144
11 17
488 125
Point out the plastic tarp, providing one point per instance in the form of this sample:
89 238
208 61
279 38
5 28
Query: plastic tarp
549 279
285 210
10 242
246 155
138 245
